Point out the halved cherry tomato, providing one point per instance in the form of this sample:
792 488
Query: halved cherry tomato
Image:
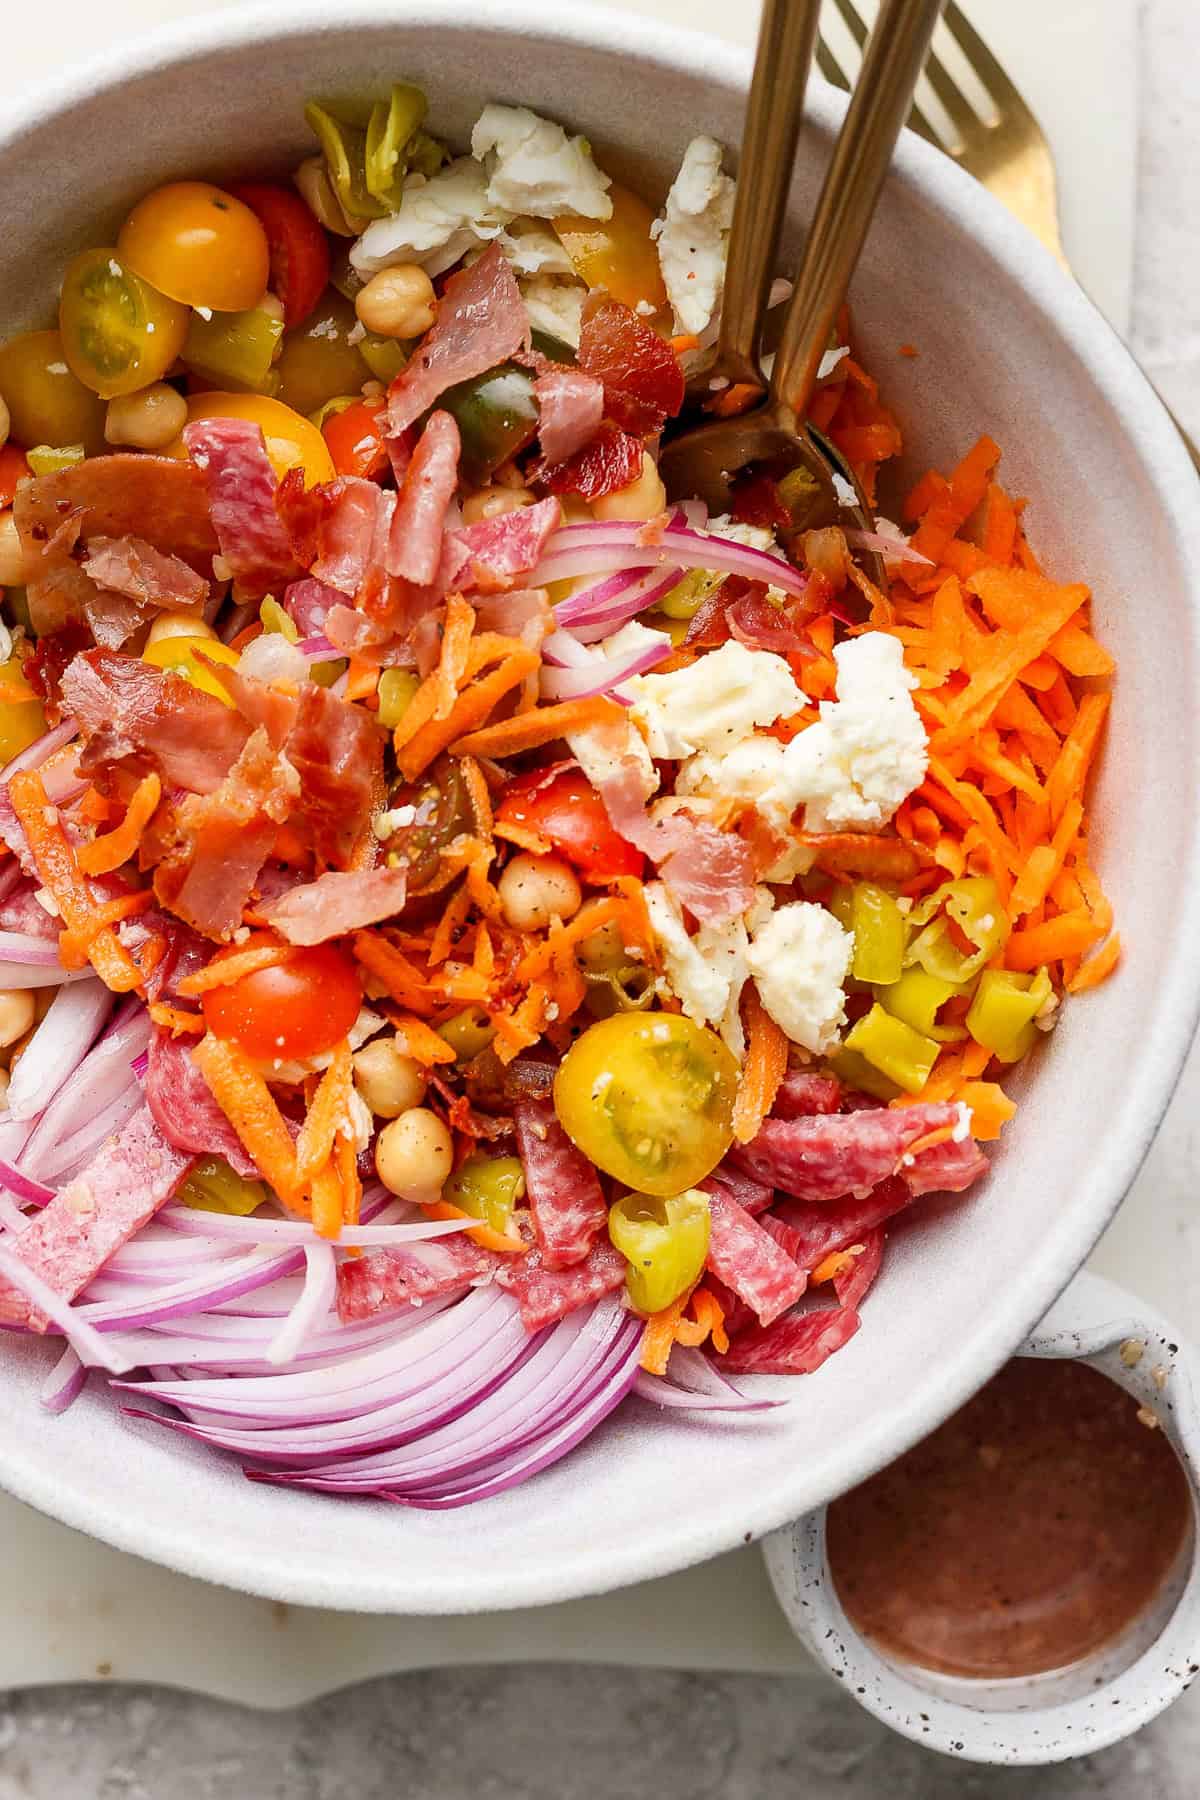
290 1012
568 810
298 246
13 468
197 244
355 439
119 334
47 404
292 441
616 253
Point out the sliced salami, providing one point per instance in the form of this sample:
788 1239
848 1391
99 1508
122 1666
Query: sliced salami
232 454
565 1197
749 1261
184 1109
827 1157
546 1295
947 1168
796 1345
128 1179
810 1232
410 1273
801 1095
852 1287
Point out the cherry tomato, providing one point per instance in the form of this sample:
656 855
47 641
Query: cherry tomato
197 244
298 246
648 1097
46 402
617 253
292 442
290 1012
13 468
192 658
319 362
568 810
118 334
355 439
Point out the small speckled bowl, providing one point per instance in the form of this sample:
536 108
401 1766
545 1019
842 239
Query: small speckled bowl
1102 1697
1007 344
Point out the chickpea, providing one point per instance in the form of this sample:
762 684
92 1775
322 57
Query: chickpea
16 1014
644 498
490 502
397 303
534 889
603 949
414 1155
5 422
178 624
316 190
148 420
389 1082
12 556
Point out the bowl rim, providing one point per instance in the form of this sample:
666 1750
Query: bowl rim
1116 379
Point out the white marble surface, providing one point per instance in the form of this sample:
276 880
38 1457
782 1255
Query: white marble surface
566 1732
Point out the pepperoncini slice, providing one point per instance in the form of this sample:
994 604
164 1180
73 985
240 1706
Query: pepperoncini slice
22 722
857 1073
235 350
880 933
274 618
468 1032
917 998
1004 1009
971 907
488 1187
391 126
905 1056
48 459
664 1241
344 147
213 1186
396 690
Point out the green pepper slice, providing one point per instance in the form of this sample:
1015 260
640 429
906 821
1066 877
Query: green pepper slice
236 351
496 415
664 1241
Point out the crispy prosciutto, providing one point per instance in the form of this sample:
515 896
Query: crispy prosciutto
337 753
409 1274
611 459
232 456
638 370
565 1197
481 321
336 903
184 1109
331 529
134 568
489 556
828 1157
130 1177
570 409
546 1294
126 709
414 548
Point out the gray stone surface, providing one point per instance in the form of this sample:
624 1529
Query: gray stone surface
540 1733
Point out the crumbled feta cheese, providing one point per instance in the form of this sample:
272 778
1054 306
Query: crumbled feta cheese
534 167
555 305
867 751
962 1125
715 702
533 249
707 972
846 496
438 221
645 309
800 959
755 537
387 824
830 361
747 773
693 235
603 752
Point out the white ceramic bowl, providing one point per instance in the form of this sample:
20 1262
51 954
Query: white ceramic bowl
1007 344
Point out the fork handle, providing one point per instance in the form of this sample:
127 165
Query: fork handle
786 37
878 109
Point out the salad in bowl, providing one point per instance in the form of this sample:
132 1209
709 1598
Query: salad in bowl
483 938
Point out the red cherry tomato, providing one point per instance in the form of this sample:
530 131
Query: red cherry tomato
298 245
567 809
290 1012
355 439
13 468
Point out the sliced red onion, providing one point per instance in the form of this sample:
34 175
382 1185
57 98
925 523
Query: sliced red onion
591 615
226 1280
89 1104
62 1158
140 1064
601 673
78 1331
318 649
24 1186
64 1383
58 1046
598 547
314 1304
694 1384
40 751
24 947
408 1227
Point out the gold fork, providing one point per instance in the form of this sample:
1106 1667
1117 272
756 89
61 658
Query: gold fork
1008 153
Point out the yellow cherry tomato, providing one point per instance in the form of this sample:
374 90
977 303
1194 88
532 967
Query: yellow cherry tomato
292 441
47 404
648 1097
118 333
197 244
22 722
182 656
320 360
618 253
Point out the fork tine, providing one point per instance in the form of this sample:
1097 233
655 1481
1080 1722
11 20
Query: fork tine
961 114
995 78
830 67
854 21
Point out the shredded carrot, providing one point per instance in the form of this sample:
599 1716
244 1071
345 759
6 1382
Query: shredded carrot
537 960
392 969
479 795
1097 968
731 401
658 1340
452 664
224 971
929 1141
541 726
991 1108
763 1069
173 1018
362 679
707 1321
1069 774
523 836
104 854
247 1102
345 1158
74 947
56 865
484 1235
473 706
416 1039
449 926
327 1200
1069 934
837 1263
326 1114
